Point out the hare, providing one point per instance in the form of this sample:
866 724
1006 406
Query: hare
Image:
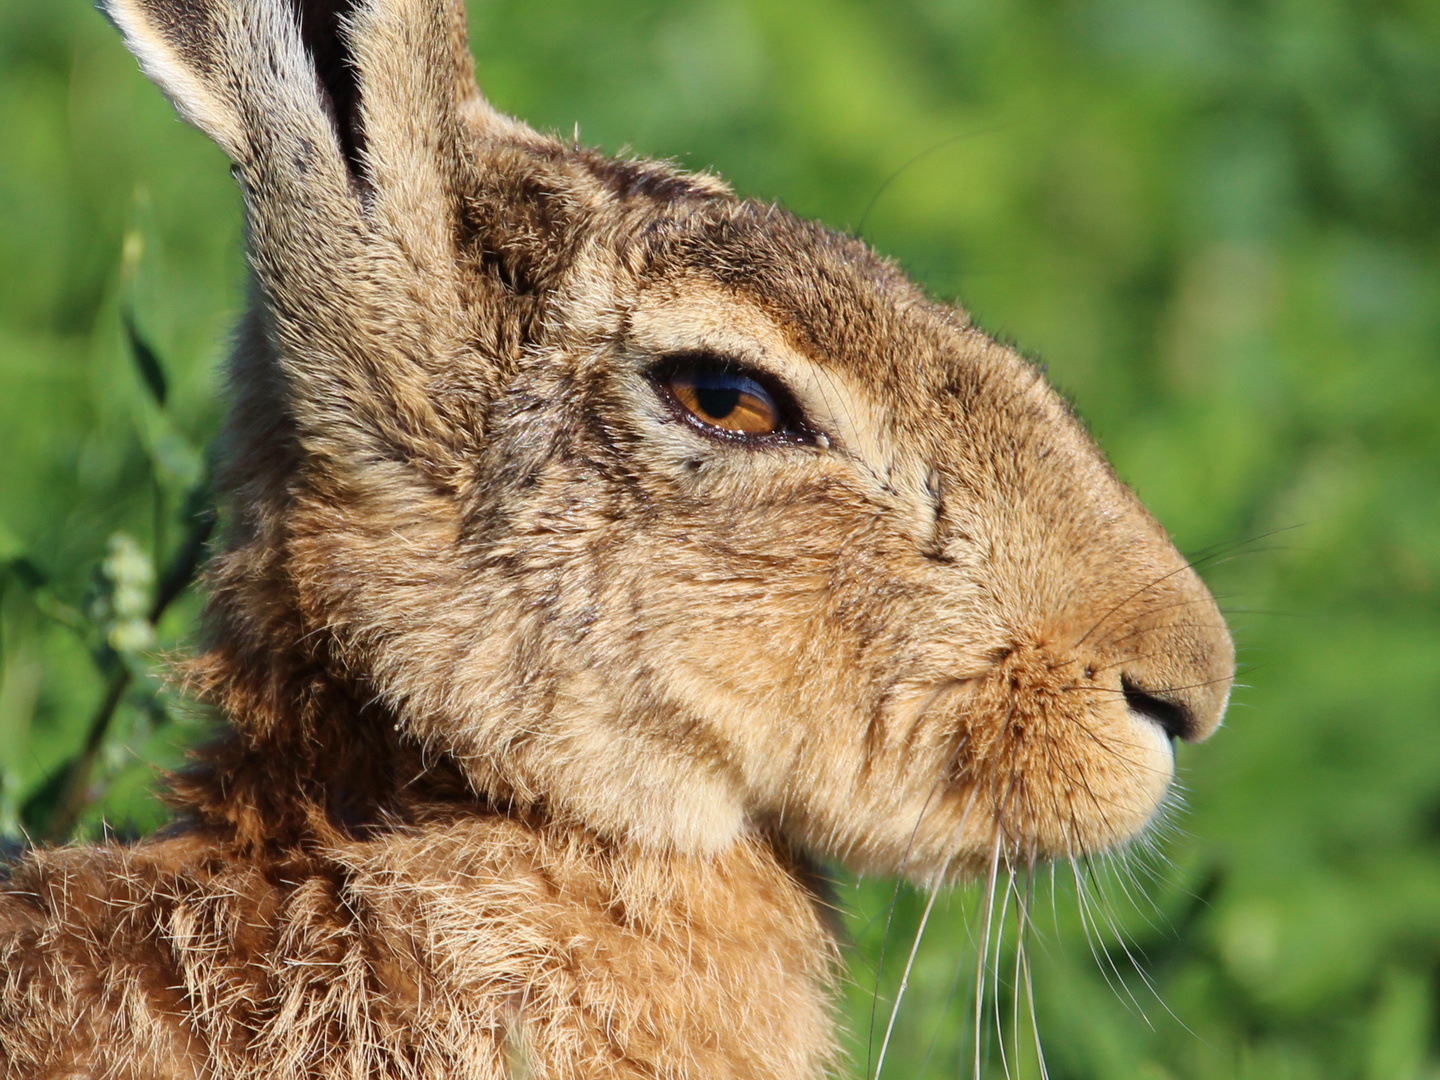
603 551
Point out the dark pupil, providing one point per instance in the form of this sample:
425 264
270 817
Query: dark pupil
716 401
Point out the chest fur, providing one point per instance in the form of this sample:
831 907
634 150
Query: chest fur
476 950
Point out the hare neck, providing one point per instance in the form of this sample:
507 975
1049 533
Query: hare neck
302 759
564 939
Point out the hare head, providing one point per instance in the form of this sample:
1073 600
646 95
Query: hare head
646 506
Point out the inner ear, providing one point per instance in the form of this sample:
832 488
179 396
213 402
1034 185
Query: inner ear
320 29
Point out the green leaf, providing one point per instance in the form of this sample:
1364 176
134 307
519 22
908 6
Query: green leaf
38 810
146 360
28 574
11 546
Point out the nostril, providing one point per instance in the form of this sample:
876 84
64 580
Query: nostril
1173 718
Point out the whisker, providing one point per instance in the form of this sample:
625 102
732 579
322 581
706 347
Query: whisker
905 980
860 229
995 968
1138 592
1144 977
1116 864
1026 928
1154 610
983 953
1207 555
1017 975
944 1012
1091 932
1120 939
895 896
1223 555
1168 628
1089 733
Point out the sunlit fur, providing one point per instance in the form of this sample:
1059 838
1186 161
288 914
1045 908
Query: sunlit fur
539 701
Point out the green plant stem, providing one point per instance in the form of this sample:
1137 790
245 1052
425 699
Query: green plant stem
77 781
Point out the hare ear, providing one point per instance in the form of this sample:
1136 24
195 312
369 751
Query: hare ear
348 122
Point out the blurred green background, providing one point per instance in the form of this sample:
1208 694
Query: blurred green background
1217 221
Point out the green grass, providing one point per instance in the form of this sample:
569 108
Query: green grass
1217 222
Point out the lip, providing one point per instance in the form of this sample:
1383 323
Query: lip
1148 722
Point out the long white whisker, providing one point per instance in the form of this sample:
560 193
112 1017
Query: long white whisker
1015 980
995 967
1118 867
982 958
1082 903
890 914
1119 935
1119 985
905 980
1030 981
1144 976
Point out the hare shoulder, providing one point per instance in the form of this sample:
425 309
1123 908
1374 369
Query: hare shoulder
480 946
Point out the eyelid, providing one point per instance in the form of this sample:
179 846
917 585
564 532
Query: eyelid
797 430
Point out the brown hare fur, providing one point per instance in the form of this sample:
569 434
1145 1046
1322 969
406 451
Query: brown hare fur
541 689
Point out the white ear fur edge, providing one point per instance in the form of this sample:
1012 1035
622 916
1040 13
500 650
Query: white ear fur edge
195 103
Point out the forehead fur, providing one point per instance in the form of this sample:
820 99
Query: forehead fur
919 364
832 296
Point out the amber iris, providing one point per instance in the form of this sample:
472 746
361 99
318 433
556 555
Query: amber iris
727 400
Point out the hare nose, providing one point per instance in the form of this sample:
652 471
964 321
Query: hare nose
1173 716
1174 657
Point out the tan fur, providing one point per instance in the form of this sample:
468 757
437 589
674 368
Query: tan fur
538 700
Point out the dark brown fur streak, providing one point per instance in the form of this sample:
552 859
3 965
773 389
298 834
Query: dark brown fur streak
540 697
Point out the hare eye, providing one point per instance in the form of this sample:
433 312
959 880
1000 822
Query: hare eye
725 400
731 402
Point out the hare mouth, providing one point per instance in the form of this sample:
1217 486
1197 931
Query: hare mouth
1170 717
